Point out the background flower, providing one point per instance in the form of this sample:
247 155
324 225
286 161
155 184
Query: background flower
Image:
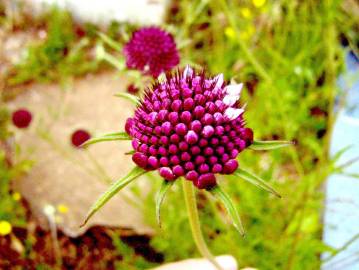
151 50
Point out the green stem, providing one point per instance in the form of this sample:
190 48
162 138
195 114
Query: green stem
191 204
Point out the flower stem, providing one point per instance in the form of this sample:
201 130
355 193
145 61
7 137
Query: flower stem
191 204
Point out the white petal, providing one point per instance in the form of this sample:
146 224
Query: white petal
219 80
234 90
188 71
233 113
230 100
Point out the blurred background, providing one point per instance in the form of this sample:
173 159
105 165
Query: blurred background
61 63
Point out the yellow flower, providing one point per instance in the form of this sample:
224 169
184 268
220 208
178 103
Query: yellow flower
5 228
258 3
63 209
246 12
229 32
16 196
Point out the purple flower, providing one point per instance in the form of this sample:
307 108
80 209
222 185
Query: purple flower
152 51
21 118
79 137
189 125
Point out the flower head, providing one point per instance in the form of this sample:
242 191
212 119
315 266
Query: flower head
21 118
5 227
152 51
79 137
189 125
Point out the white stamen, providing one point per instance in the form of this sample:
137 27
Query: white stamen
188 71
230 100
233 113
234 90
219 80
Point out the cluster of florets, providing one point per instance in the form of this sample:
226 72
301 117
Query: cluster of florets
189 125
152 51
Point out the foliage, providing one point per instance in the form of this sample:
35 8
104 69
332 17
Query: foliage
64 53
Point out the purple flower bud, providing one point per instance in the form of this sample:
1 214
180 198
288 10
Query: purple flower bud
191 137
151 50
167 173
189 125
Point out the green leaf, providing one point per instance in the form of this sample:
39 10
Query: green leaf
269 145
231 209
114 188
116 136
255 180
135 100
166 185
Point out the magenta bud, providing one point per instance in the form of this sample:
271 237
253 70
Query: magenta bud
186 117
205 181
152 118
199 160
185 156
167 173
143 148
181 129
230 166
164 161
183 146
196 126
234 153
153 140
220 150
178 170
158 130
208 131
192 176
166 128
219 130
152 150
162 115
214 141
173 117
198 111
191 137
218 118
128 126
208 151
176 105
164 140
189 166
172 149
135 144
248 136
203 168
195 150
217 168
213 160
207 119
225 158
175 138
203 142
153 162
174 160
140 159
162 151
188 104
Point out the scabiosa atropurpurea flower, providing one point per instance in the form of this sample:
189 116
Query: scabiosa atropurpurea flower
21 118
79 136
191 126
188 125
152 51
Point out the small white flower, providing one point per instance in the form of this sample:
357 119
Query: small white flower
230 100
219 80
234 90
233 113
188 71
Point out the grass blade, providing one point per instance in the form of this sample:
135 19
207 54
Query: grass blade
166 185
135 100
269 145
255 180
231 209
114 188
117 136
